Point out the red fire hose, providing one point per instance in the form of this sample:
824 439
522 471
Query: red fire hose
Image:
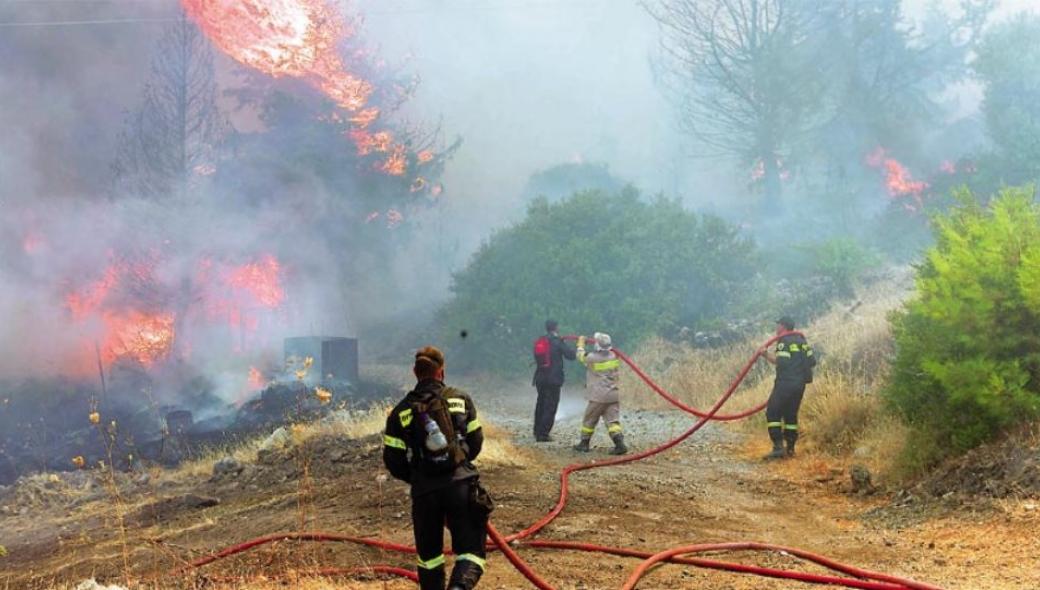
861 578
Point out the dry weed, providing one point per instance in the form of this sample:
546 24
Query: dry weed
499 451
842 414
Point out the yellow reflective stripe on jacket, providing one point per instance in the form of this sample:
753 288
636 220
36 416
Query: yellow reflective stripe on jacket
456 405
473 558
606 366
783 353
473 425
394 442
793 348
430 564
405 416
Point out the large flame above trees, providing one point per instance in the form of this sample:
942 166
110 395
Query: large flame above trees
300 39
296 38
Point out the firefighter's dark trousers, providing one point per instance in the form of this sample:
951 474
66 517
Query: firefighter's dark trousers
458 506
545 410
782 413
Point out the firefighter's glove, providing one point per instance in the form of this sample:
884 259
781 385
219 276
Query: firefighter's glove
581 342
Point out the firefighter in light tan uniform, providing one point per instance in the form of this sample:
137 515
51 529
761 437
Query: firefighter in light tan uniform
601 391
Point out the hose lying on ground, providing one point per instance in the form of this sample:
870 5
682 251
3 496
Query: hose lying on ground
861 578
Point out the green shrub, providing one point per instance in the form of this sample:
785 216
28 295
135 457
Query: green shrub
968 343
844 261
594 261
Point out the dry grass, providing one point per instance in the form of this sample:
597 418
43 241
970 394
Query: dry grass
842 415
499 451
695 376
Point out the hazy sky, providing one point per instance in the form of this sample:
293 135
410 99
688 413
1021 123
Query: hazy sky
532 83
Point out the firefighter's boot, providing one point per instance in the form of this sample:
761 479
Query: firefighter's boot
583 445
790 437
430 579
619 444
777 436
465 575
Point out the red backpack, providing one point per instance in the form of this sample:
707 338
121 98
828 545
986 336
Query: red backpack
543 352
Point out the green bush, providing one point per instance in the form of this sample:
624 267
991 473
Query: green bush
968 343
844 261
595 261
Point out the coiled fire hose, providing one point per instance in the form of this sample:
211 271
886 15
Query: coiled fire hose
860 578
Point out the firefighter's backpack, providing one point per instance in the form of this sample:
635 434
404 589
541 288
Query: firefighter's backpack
435 407
543 352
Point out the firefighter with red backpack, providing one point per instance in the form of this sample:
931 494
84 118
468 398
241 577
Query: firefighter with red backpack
430 442
549 352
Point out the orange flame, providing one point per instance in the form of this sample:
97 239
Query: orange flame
256 379
296 38
85 302
396 163
898 179
143 337
261 279
299 39
365 117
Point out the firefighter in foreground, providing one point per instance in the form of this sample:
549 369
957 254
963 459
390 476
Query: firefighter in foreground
430 441
549 352
794 362
601 390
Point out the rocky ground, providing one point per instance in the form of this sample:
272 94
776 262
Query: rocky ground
60 530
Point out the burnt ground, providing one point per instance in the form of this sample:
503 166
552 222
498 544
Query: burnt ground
710 488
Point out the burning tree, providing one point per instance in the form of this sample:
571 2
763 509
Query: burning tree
884 79
328 144
173 137
739 73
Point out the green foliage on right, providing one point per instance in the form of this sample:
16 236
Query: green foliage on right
595 262
968 344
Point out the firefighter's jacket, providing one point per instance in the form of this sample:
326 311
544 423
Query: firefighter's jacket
404 433
794 359
602 376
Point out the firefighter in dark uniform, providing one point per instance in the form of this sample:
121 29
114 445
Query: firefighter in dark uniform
794 362
444 489
548 381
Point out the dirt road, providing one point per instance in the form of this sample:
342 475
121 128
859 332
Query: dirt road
710 488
